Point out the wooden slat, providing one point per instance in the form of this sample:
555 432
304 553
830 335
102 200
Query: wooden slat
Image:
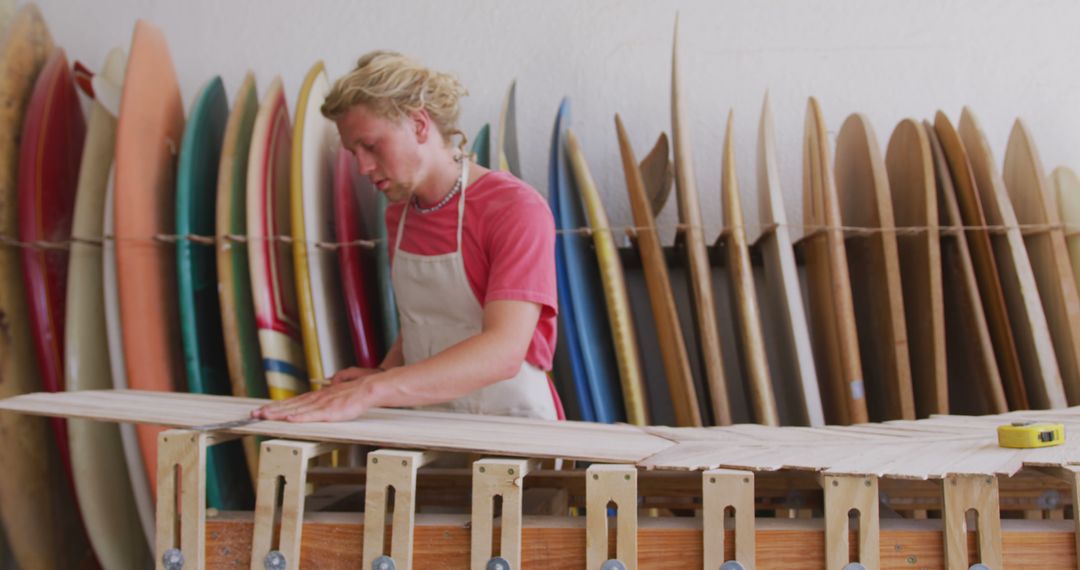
724 488
604 485
981 494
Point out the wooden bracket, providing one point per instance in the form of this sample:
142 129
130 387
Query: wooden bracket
605 484
843 494
503 478
181 497
389 468
723 488
963 493
1071 475
283 467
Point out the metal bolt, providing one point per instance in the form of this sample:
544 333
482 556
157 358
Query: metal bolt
497 563
835 483
732 565
1049 499
375 460
867 483
989 481
274 560
404 463
296 452
612 565
745 479
854 566
482 470
979 566
627 476
383 562
912 559
595 477
712 479
510 471
173 559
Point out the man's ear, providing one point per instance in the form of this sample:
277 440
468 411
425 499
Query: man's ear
422 125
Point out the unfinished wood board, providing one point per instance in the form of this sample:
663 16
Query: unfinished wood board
661 299
844 494
1038 363
502 478
658 173
609 486
910 167
723 489
832 316
980 494
974 378
391 469
697 258
796 374
865 203
1036 206
986 265
1066 187
743 295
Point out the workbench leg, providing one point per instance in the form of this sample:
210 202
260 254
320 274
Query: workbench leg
721 489
386 469
283 467
181 484
498 478
964 493
1071 475
605 484
844 494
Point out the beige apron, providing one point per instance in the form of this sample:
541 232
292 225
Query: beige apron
438 309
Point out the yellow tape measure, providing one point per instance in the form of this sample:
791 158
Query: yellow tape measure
1029 435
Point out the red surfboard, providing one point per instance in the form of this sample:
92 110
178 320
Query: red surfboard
348 186
49 159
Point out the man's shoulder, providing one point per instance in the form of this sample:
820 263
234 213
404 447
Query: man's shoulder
502 194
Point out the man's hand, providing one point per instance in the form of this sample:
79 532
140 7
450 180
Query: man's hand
343 401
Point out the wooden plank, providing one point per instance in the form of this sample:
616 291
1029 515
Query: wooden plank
974 377
1036 206
332 540
661 299
844 494
863 189
980 494
1032 333
697 258
743 295
910 166
721 489
832 315
392 469
1066 185
784 291
986 265
605 485
503 478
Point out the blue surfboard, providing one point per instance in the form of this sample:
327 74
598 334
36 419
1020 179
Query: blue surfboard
581 297
481 146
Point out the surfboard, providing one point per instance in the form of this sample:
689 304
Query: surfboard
39 515
796 378
743 294
323 320
1066 186
617 302
697 258
910 168
585 298
148 135
863 189
50 150
355 271
1041 374
974 378
102 482
1034 205
986 265
242 354
273 283
661 298
481 146
832 316
658 174
228 482
509 160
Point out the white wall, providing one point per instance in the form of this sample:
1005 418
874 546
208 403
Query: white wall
889 60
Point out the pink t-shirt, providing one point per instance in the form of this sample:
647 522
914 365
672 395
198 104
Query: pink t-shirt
509 248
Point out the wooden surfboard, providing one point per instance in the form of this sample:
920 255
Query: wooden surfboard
585 297
832 316
50 150
509 160
148 135
1041 374
614 286
974 378
228 482
910 167
273 281
743 295
697 258
1034 205
355 270
863 189
481 146
797 375
102 481
658 174
318 278
234 279
662 300
1066 187
986 264
39 514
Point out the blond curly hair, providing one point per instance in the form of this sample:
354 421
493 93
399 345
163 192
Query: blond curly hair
393 85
